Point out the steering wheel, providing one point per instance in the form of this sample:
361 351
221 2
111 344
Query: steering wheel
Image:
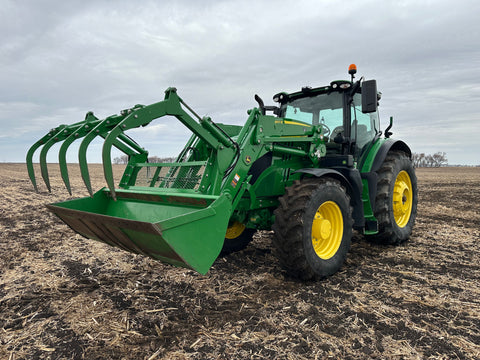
326 130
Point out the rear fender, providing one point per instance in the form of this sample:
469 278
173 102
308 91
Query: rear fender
390 144
369 171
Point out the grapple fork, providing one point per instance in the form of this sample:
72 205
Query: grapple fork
165 218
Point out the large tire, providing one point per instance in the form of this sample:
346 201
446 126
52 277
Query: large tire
313 228
396 199
237 238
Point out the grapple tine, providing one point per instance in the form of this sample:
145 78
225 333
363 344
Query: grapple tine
31 171
128 147
29 159
62 156
101 129
138 118
81 130
107 160
107 166
62 161
82 160
59 136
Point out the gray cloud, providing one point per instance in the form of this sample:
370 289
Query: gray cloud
61 59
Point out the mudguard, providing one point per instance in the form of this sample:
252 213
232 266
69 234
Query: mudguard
351 179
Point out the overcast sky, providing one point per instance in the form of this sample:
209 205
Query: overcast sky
60 59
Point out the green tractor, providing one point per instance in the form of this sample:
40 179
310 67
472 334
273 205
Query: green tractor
312 169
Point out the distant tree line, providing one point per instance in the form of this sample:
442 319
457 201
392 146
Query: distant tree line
427 160
419 160
152 159
156 159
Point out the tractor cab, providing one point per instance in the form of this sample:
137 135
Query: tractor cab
346 111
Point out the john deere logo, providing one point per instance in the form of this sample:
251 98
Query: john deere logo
248 159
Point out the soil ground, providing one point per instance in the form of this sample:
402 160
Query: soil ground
66 297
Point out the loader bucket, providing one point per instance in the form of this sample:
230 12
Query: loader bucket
185 230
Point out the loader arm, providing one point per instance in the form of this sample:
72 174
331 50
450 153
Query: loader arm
142 117
295 144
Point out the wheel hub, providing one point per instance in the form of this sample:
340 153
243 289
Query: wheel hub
324 228
327 230
235 230
402 199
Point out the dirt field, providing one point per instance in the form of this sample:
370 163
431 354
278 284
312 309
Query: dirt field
66 297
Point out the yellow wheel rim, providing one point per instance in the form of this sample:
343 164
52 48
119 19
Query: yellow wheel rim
402 199
327 230
235 230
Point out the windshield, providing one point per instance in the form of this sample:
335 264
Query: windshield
325 109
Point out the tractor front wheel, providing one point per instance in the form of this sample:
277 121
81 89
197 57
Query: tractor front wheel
313 228
237 238
396 200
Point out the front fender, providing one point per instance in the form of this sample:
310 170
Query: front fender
351 179
323 172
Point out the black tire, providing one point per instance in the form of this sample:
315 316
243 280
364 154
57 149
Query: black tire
237 238
396 200
306 205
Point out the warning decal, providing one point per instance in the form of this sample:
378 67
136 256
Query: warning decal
235 180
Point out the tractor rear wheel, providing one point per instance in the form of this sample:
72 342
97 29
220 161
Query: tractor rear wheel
396 200
313 228
237 238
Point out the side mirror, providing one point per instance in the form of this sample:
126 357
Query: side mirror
369 96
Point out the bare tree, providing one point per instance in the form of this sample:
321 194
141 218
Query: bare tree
440 159
427 160
416 159
121 159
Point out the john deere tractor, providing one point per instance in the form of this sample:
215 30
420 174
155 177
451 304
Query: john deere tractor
313 168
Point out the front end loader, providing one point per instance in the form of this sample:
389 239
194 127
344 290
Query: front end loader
313 169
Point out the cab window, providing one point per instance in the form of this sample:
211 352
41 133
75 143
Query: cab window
364 126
